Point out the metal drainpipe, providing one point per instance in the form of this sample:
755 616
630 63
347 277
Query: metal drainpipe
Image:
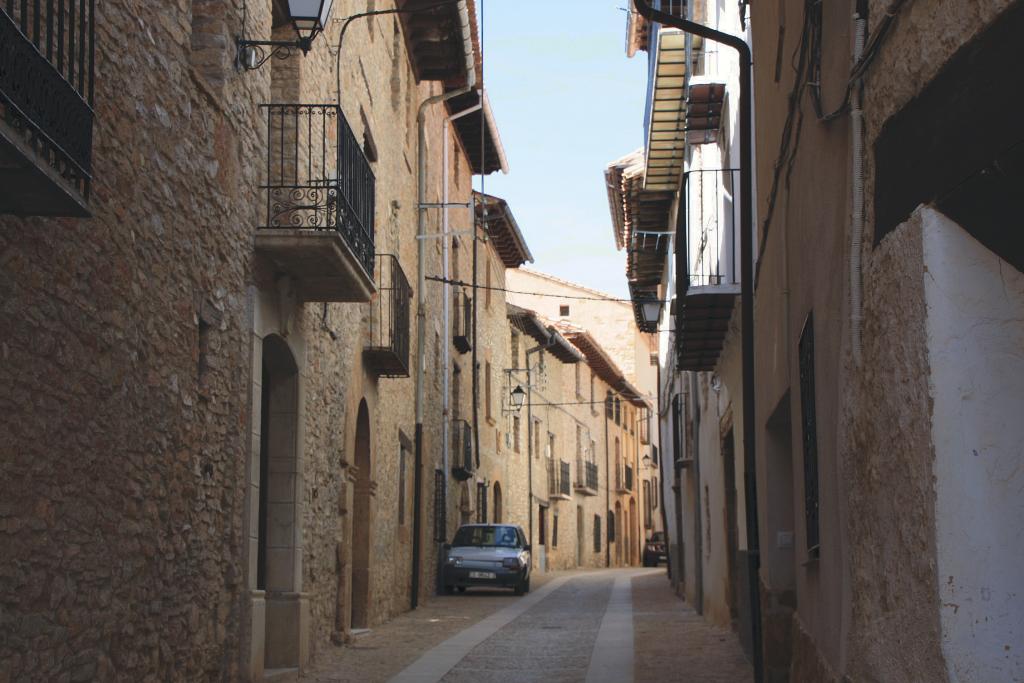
746 301
421 314
529 434
698 526
607 492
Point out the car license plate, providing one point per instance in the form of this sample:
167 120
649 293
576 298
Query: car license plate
481 575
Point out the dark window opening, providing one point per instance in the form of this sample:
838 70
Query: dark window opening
563 311
808 421
597 533
542 525
554 530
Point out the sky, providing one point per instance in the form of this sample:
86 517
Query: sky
567 101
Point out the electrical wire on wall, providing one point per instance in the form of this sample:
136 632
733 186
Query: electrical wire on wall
806 63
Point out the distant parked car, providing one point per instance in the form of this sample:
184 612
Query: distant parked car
654 550
494 555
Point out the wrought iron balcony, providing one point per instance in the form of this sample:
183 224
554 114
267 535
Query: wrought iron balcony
463 465
46 115
624 479
388 352
586 477
708 265
318 195
462 321
559 482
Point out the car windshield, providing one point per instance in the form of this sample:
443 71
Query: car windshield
486 536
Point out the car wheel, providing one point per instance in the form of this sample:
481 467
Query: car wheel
462 589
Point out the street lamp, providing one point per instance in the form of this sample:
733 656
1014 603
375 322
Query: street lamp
517 398
307 17
647 460
650 310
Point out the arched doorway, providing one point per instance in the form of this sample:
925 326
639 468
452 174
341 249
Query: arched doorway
497 503
278 565
361 521
632 544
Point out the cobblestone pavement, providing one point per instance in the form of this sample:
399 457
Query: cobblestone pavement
584 627
674 643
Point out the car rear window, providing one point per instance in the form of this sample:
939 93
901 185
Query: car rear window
493 536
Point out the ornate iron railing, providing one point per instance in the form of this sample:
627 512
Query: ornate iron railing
318 177
47 66
586 474
712 221
388 352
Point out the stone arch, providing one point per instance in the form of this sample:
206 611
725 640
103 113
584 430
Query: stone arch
497 503
361 521
279 553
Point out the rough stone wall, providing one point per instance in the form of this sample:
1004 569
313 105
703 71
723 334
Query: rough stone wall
127 349
124 377
895 625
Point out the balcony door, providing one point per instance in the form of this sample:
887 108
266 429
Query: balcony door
361 583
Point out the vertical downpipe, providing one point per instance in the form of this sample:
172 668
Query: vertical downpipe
857 219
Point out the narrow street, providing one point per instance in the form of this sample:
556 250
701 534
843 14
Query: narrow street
614 625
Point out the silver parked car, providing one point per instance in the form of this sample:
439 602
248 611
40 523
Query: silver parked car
488 555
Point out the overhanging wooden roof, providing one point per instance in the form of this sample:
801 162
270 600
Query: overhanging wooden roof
478 133
642 223
528 322
602 364
433 37
502 229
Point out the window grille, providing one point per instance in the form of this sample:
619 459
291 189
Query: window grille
810 435
440 508
597 533
481 503
554 530
611 526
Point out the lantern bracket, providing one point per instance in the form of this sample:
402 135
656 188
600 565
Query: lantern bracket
252 54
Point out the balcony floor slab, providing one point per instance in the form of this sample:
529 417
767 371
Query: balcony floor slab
322 264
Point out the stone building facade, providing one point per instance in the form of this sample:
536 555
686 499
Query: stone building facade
210 466
886 298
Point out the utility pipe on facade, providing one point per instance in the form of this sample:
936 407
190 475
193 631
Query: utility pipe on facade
529 431
738 44
421 299
857 227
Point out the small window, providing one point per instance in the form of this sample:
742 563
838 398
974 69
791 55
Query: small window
481 503
554 530
563 311
542 524
487 290
611 526
487 390
809 423
597 533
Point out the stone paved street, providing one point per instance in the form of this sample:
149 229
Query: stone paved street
606 625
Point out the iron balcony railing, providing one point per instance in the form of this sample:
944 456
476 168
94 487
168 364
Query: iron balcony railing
712 220
388 352
559 478
462 449
462 320
318 177
47 67
586 474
